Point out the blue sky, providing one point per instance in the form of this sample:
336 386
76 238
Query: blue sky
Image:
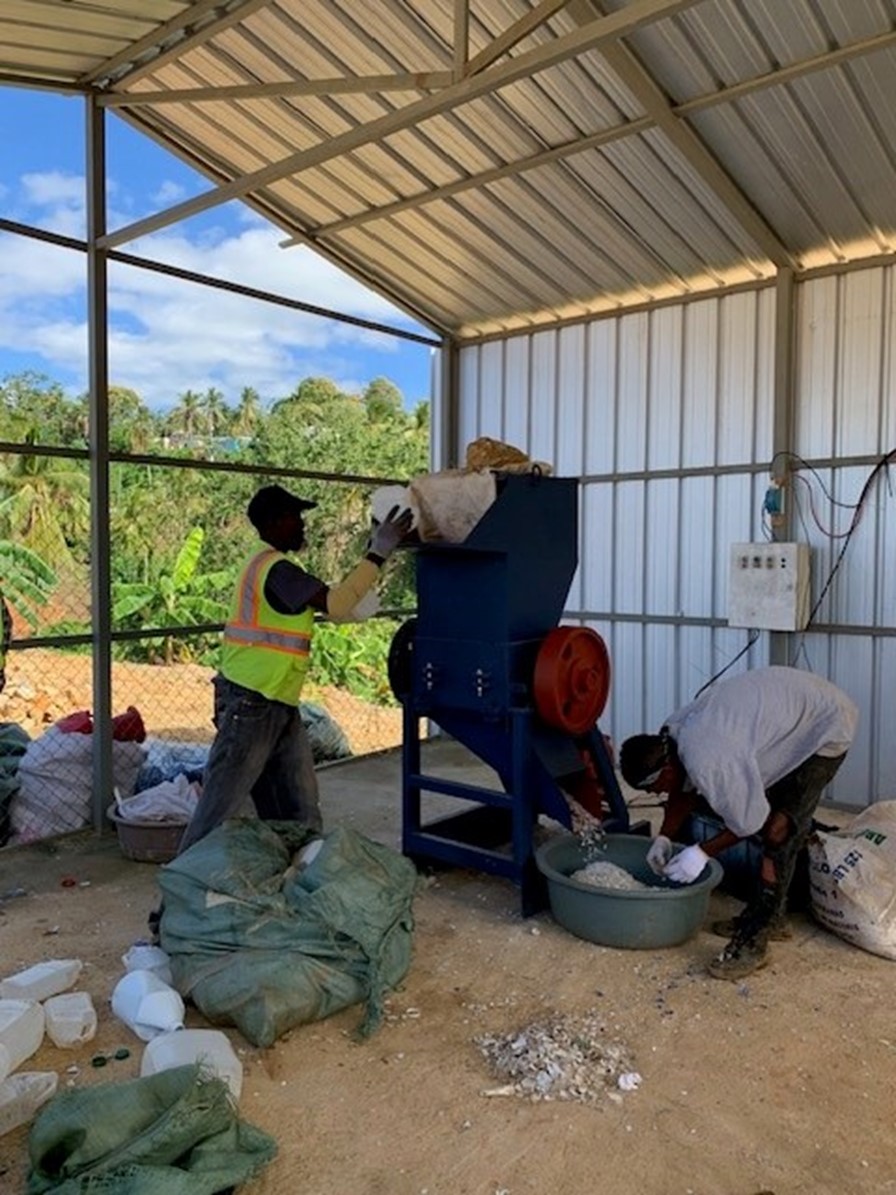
168 336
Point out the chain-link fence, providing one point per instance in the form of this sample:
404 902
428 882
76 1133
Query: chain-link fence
179 537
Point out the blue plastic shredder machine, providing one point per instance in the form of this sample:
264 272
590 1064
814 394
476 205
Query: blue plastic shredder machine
486 660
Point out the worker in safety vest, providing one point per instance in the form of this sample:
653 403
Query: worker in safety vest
757 751
261 747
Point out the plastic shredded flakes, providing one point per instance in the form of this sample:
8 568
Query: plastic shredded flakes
563 1057
602 874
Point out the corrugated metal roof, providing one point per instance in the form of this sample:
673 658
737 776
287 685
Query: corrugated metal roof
576 158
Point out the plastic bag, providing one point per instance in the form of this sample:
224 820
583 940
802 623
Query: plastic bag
852 872
56 783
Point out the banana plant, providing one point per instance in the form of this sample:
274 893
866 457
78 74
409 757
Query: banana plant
182 597
26 581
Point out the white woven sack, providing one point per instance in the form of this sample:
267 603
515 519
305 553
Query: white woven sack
853 879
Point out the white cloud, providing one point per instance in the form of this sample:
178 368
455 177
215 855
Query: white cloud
168 193
167 336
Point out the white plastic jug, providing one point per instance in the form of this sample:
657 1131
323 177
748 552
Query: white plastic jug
70 1019
147 1005
21 1095
42 980
143 957
209 1047
21 1029
386 498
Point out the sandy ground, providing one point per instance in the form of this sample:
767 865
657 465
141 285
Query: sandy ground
784 1083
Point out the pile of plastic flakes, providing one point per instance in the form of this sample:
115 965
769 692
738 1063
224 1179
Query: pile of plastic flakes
563 1057
602 874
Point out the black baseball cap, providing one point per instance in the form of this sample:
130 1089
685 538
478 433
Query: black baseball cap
272 501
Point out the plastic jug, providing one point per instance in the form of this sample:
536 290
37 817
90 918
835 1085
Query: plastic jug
70 1019
143 957
21 1029
21 1095
209 1047
41 980
147 1005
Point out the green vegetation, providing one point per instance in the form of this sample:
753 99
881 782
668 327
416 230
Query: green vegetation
179 534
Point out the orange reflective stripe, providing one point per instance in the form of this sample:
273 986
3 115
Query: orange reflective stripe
249 589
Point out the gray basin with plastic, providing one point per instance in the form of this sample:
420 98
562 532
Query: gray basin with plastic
664 914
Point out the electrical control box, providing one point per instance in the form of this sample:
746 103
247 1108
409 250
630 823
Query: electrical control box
768 586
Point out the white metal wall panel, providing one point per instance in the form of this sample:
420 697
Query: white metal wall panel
696 540
631 392
859 373
629 548
737 379
601 407
670 413
700 385
884 757
543 397
491 390
852 668
517 361
661 556
816 333
570 420
468 413
664 394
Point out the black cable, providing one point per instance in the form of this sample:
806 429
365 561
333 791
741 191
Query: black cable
754 635
882 464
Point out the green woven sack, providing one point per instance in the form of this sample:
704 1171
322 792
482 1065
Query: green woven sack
258 944
174 1133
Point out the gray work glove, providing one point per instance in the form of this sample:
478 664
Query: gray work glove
659 854
389 534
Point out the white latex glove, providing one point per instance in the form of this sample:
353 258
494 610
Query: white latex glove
687 865
389 534
659 854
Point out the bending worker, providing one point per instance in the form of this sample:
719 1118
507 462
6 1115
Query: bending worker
261 747
758 750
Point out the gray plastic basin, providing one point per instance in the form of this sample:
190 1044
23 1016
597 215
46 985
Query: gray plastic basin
665 914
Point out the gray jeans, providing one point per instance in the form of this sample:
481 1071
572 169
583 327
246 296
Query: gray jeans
261 751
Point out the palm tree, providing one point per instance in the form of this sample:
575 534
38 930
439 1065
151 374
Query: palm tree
186 416
44 503
248 412
216 411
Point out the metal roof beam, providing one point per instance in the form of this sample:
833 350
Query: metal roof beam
337 85
555 154
200 21
695 152
461 36
595 33
514 34
796 70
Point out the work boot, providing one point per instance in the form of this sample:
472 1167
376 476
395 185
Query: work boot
739 959
778 931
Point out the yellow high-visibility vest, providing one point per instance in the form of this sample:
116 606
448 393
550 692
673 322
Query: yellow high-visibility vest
264 650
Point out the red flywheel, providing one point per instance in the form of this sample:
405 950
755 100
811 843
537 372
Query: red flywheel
572 679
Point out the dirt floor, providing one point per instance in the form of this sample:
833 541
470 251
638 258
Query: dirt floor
783 1083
